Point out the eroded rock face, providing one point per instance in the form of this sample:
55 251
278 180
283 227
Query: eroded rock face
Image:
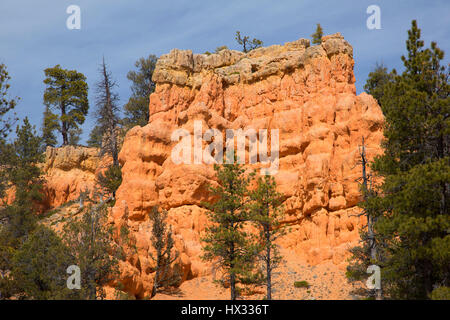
305 92
68 171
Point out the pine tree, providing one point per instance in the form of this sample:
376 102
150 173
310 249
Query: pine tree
75 136
227 243
92 248
110 180
67 92
247 44
317 36
377 80
20 161
95 137
49 126
137 108
163 244
6 104
441 293
39 267
267 213
414 193
22 171
4 156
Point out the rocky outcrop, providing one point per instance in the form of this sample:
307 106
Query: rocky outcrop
306 92
68 171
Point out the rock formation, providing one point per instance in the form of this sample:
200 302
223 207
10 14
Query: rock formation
306 92
68 171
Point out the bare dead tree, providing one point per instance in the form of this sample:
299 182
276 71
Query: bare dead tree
107 113
366 191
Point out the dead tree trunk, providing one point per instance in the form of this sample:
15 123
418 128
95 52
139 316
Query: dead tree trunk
370 217
268 264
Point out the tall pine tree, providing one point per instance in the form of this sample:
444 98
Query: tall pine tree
227 242
49 126
91 246
95 137
66 92
412 201
267 213
136 110
6 103
377 81
39 267
163 243
18 220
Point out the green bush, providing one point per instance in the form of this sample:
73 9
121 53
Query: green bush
111 179
441 293
301 284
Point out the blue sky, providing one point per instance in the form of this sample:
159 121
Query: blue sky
33 34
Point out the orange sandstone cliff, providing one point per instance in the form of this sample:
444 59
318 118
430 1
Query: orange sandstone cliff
68 171
306 92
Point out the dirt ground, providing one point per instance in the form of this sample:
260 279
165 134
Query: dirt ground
327 282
